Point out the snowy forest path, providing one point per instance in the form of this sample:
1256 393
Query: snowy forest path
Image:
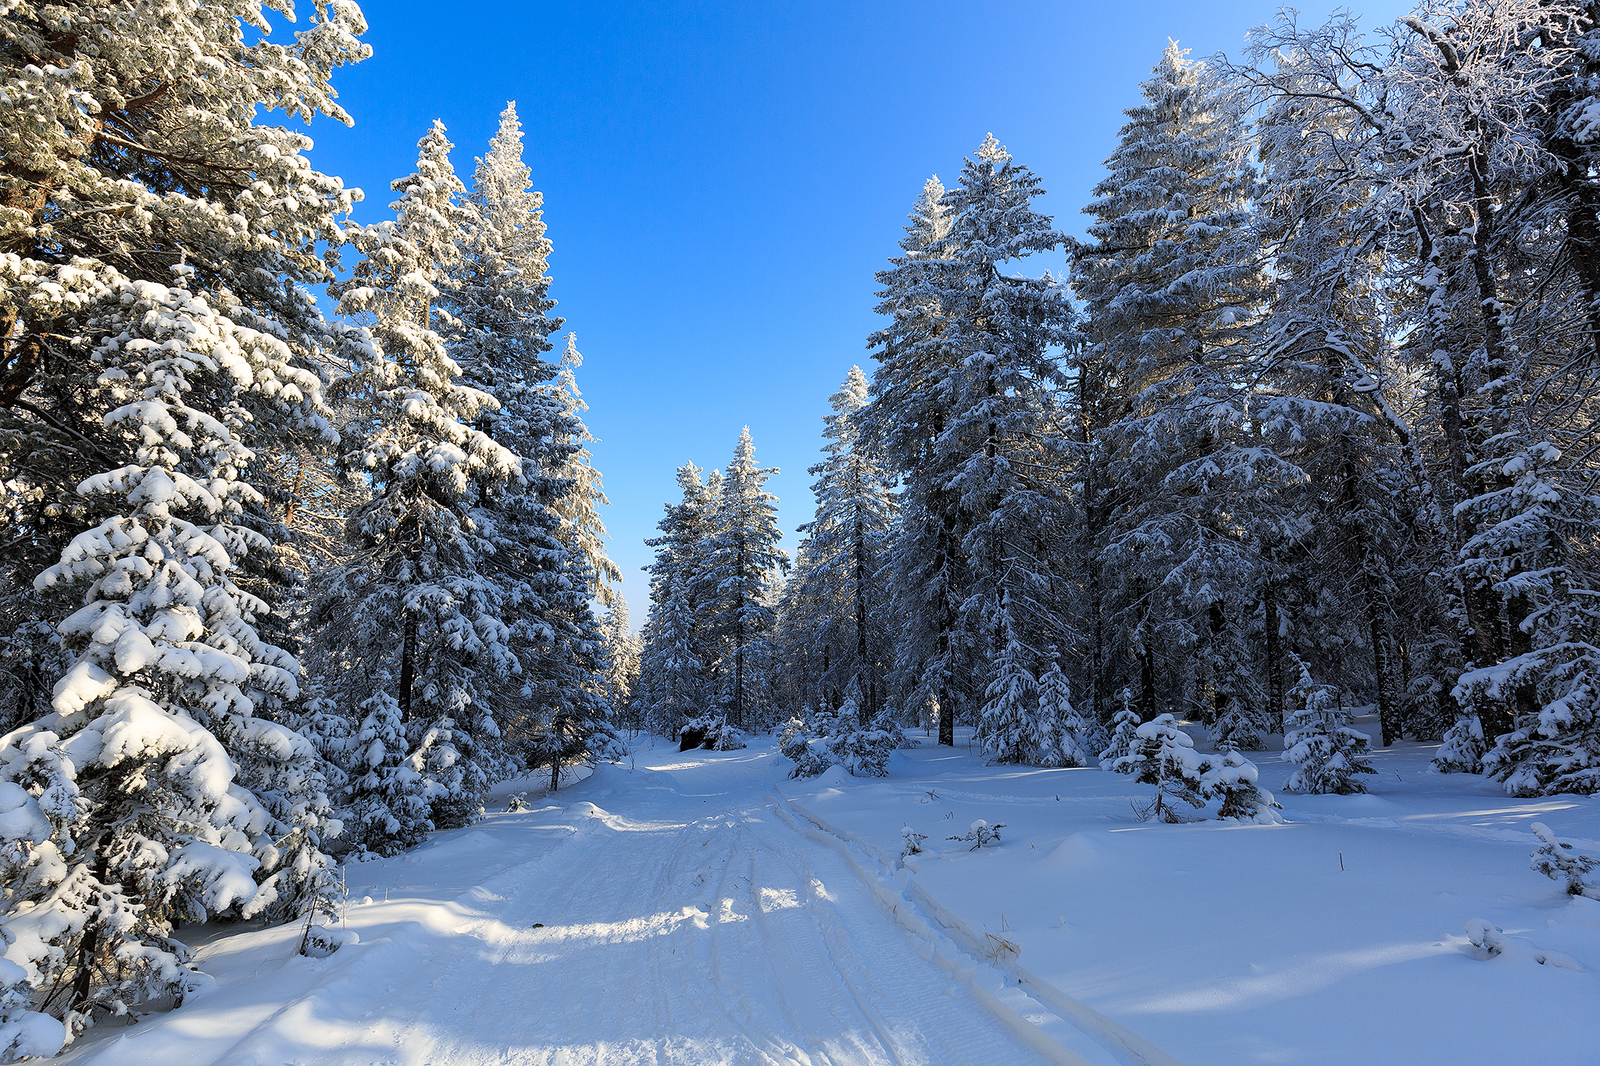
664 916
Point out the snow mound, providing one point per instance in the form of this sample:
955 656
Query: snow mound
585 809
1079 850
834 775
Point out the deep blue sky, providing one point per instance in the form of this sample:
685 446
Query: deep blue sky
722 180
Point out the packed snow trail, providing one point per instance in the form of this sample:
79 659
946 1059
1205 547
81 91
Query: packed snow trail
662 916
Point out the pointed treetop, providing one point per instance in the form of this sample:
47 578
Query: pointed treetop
992 151
1174 58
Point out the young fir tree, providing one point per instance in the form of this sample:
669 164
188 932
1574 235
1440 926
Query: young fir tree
1063 732
1162 755
1011 728
1321 743
1123 727
742 564
1526 552
388 795
422 584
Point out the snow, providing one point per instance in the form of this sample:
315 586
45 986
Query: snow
700 907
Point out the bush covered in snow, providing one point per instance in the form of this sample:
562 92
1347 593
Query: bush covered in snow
1163 755
1561 862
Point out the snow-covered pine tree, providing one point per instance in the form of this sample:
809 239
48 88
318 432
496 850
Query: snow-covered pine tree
388 801
578 504
1123 726
743 563
421 592
114 168
621 659
1063 732
1529 551
1320 741
1011 728
154 737
1170 294
833 624
672 687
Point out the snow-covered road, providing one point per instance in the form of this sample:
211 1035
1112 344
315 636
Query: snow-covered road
663 915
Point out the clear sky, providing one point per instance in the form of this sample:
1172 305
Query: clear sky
721 180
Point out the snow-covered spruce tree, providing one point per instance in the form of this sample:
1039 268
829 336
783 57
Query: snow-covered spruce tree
1011 729
1009 329
388 795
420 595
742 565
498 332
132 140
573 724
1170 289
833 623
1123 726
145 763
1530 551
147 201
1162 755
672 687
1320 741
621 658
926 565
578 504
683 528
960 405
1063 732
499 295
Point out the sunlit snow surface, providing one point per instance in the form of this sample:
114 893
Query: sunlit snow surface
686 915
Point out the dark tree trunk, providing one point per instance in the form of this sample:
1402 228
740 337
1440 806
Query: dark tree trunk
408 664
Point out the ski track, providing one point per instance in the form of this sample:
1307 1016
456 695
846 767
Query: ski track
673 936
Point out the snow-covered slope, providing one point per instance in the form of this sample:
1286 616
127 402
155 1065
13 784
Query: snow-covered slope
689 911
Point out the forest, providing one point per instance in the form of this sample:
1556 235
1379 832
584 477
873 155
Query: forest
1311 411
300 538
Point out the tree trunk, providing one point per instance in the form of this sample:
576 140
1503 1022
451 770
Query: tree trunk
1274 642
408 664
1386 723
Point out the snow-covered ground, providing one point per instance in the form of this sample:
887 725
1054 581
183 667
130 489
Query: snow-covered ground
700 908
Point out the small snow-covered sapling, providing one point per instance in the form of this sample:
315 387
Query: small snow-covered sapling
981 833
913 841
1560 862
519 802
